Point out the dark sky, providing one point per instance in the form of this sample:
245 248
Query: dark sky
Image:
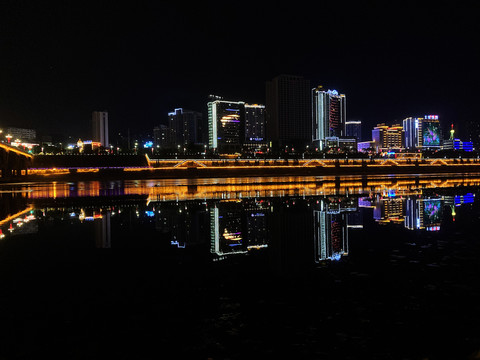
59 61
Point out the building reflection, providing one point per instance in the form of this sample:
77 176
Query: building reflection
292 227
330 234
237 227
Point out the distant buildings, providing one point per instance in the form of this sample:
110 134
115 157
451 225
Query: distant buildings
289 111
329 116
456 144
100 127
20 133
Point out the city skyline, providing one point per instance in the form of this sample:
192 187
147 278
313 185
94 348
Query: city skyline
63 61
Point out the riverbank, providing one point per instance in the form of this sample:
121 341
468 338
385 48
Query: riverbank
241 171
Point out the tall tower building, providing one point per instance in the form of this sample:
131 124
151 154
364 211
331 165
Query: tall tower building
226 125
100 127
329 115
289 111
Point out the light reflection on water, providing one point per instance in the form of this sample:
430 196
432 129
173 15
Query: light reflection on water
238 216
333 268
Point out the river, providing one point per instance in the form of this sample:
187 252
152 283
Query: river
381 267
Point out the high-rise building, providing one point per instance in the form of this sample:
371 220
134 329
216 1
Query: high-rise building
254 122
226 125
413 132
100 127
431 132
353 128
423 132
185 126
329 115
289 111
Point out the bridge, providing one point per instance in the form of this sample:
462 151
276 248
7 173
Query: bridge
13 161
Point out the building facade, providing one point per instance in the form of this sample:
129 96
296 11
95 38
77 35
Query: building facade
100 127
329 115
412 126
163 137
353 128
185 125
388 138
431 132
226 126
288 111
254 122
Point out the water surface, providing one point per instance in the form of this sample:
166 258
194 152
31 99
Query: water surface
312 268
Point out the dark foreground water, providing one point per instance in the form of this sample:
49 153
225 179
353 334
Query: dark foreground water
101 270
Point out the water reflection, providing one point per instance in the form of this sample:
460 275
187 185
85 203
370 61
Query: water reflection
296 223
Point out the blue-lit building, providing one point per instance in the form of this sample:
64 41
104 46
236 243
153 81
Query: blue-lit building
456 144
412 128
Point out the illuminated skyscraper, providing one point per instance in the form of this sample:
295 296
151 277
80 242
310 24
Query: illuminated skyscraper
100 127
289 111
431 132
329 115
413 132
226 125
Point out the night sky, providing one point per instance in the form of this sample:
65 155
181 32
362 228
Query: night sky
59 61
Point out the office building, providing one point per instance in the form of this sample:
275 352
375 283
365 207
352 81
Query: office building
226 125
289 112
353 128
100 128
254 122
329 115
185 125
